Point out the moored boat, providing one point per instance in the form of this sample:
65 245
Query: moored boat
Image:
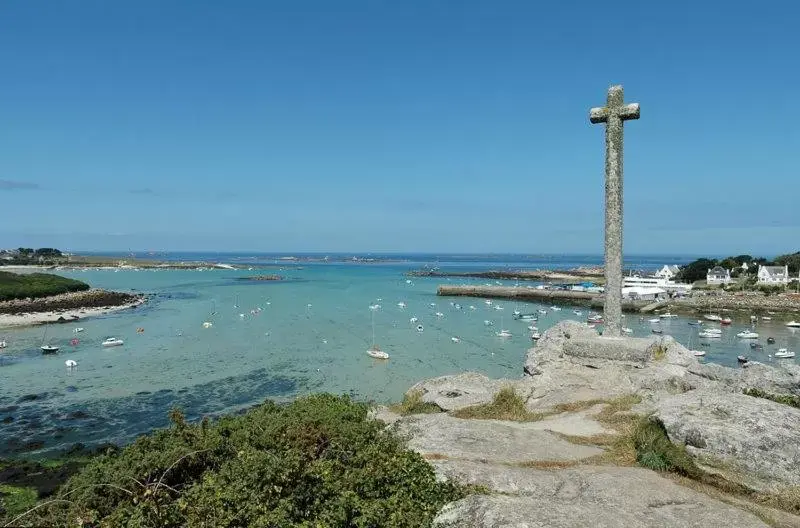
784 353
712 317
112 342
747 334
49 349
793 324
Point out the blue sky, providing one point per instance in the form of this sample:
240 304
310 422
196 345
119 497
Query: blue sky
395 126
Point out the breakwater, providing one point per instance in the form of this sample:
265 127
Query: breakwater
578 298
521 275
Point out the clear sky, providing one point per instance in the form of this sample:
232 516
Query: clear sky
376 125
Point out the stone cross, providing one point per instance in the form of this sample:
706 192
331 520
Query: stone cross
613 114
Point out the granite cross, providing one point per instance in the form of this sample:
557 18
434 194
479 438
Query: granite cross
613 114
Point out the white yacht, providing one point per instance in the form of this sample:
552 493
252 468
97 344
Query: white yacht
747 334
112 342
783 353
792 324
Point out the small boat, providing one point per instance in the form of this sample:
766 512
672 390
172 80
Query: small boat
377 353
709 335
555 308
71 363
112 342
488 323
747 334
533 328
667 315
658 331
699 353
656 320
208 324
504 333
472 307
542 311
408 281
792 324
528 317
783 354
420 328
626 330
742 359
726 321
770 340
536 336
498 307
439 314
3 344
712 317
766 318
401 305
49 349
413 320
455 340
755 346
457 306
713 331
516 314
488 302
696 323
78 330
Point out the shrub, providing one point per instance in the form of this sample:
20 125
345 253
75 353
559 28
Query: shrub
786 399
34 285
317 462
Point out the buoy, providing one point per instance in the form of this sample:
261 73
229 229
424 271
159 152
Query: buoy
71 363
73 342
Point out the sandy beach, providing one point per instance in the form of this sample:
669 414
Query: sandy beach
18 316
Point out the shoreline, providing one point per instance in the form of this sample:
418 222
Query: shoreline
66 307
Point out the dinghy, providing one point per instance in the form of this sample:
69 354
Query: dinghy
377 353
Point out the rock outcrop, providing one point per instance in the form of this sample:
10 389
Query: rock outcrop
546 472
584 497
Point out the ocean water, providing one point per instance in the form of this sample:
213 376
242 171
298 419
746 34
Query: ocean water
276 340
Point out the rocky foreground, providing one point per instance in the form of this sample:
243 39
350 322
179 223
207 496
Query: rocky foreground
569 457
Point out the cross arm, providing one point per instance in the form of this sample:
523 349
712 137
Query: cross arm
624 112
598 115
629 111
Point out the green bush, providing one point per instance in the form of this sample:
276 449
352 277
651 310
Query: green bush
786 399
319 462
35 285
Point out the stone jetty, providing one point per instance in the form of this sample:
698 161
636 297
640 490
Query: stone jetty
576 457
578 298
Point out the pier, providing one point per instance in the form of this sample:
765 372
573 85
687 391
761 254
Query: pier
578 298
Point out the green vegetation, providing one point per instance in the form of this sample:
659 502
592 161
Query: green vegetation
792 260
27 256
15 500
412 404
654 450
35 285
318 462
506 405
786 399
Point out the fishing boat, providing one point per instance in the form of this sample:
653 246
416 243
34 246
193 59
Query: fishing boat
712 317
747 334
792 324
783 353
113 341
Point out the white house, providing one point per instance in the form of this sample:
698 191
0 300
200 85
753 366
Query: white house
718 275
667 272
773 275
648 293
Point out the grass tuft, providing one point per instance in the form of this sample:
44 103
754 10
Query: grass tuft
506 405
549 464
412 404
785 399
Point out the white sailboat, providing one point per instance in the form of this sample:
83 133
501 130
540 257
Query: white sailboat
503 333
47 349
375 351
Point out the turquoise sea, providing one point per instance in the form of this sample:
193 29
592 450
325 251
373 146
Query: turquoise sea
276 340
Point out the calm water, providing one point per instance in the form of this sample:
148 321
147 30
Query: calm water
310 334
